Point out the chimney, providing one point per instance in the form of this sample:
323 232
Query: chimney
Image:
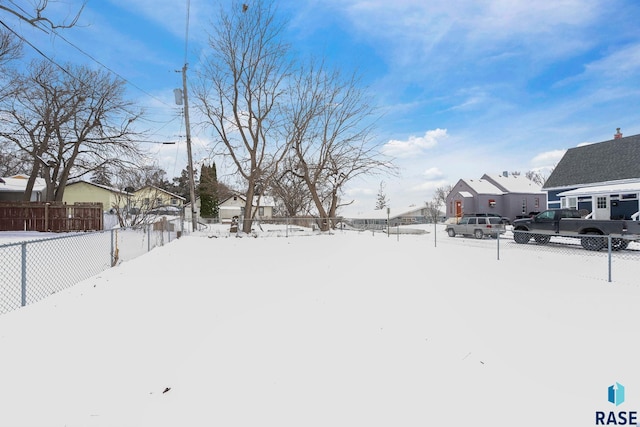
617 135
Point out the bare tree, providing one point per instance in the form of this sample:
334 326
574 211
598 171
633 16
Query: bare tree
40 16
438 201
240 89
381 199
290 191
433 210
537 176
441 193
69 123
10 48
330 125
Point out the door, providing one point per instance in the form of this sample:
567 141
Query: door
458 208
601 207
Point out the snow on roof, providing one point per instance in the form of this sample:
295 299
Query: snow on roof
465 194
482 186
104 187
18 184
516 183
630 187
382 213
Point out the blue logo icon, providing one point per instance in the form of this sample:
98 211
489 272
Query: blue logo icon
616 394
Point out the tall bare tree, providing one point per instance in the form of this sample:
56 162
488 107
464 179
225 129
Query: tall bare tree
290 191
330 131
70 121
240 90
38 16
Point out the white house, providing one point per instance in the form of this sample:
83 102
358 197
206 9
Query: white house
12 188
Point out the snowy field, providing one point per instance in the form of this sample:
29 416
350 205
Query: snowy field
348 329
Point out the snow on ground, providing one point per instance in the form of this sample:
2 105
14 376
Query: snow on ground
348 329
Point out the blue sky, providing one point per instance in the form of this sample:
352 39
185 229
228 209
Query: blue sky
465 87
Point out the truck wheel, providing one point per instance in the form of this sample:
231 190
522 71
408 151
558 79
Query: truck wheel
478 234
592 243
451 232
541 239
521 237
619 244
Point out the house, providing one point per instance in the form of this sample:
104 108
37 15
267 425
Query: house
507 195
89 192
601 178
377 219
12 189
233 206
151 197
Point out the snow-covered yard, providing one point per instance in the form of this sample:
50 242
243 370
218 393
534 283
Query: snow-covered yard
354 328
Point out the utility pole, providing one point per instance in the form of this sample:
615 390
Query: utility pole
192 190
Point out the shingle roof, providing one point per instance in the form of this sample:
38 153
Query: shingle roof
482 186
513 183
606 161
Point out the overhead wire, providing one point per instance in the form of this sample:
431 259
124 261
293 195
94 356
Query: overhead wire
43 28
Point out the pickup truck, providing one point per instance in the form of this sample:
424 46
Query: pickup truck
570 223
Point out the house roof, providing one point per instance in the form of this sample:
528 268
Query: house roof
624 188
513 183
153 187
264 200
602 162
483 186
104 187
393 212
18 184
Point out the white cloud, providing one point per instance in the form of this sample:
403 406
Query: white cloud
414 144
548 158
433 173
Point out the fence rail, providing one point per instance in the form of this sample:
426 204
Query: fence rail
35 269
32 270
50 216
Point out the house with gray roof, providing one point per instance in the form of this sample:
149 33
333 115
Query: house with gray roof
507 195
602 178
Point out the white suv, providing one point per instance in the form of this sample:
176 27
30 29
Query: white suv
477 226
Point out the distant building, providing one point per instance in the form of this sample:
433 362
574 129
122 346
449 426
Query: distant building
12 188
503 194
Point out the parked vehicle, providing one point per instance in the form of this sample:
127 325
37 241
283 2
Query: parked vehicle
570 223
477 227
503 219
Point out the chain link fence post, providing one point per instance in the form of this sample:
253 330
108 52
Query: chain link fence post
609 257
23 285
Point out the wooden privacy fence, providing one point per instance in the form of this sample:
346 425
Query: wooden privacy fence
50 216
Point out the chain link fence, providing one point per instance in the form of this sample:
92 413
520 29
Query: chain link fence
32 270
610 258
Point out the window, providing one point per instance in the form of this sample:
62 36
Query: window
601 202
524 205
569 202
536 203
629 196
261 211
472 221
547 215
